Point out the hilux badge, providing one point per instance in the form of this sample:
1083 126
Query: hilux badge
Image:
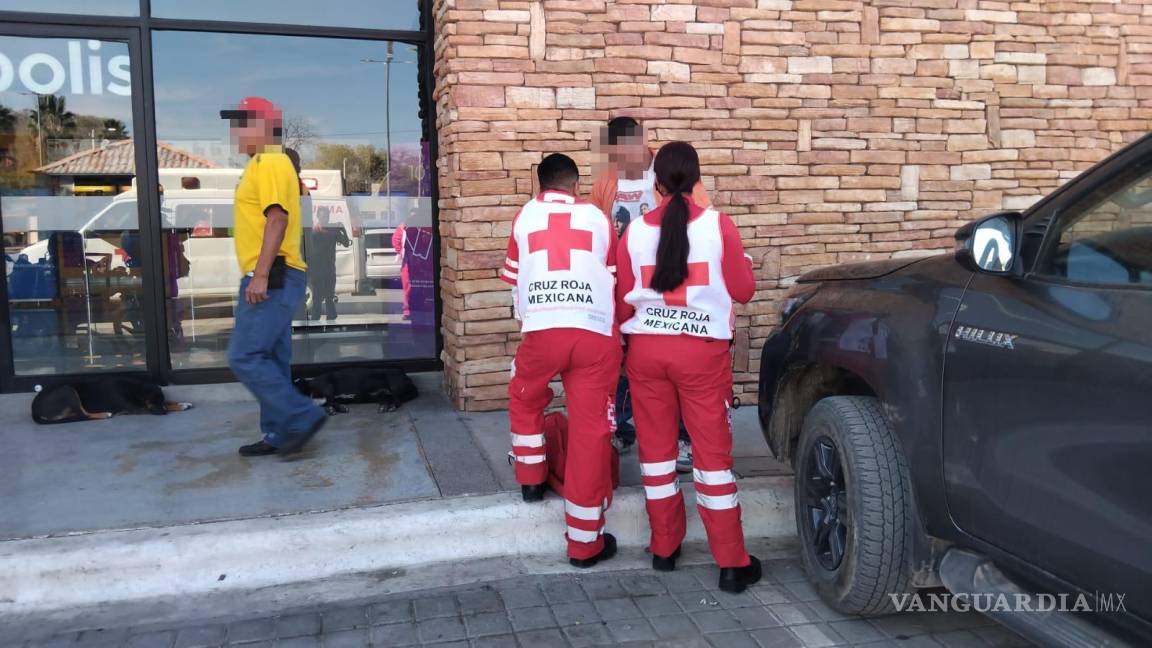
986 337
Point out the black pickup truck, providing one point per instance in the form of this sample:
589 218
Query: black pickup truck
982 420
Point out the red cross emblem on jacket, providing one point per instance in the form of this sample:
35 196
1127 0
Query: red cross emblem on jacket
697 276
559 240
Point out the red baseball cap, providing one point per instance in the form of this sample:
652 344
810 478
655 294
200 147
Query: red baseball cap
257 107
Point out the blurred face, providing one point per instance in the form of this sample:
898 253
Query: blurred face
629 152
251 134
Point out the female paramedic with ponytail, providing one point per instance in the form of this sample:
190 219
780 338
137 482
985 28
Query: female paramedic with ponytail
679 268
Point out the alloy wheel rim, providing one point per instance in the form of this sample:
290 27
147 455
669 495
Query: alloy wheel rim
825 502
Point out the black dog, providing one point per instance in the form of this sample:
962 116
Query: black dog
100 399
389 388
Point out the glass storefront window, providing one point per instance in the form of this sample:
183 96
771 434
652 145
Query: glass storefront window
68 206
363 14
80 7
352 113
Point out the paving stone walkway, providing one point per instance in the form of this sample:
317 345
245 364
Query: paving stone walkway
682 609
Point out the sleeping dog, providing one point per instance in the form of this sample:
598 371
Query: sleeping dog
100 399
388 388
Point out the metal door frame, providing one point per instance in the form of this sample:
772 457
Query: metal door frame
148 223
137 32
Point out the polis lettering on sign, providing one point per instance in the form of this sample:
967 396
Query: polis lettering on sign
44 74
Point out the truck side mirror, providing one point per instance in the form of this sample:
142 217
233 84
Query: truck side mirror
990 244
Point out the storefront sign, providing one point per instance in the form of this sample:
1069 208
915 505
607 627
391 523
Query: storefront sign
45 74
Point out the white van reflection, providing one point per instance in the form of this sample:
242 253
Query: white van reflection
197 208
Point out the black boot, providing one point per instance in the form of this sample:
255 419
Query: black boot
736 579
607 552
534 493
660 563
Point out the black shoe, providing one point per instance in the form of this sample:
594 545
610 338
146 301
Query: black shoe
607 552
296 442
735 579
660 563
258 449
534 493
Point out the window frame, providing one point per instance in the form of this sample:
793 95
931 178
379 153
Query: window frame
1072 209
9 379
1049 212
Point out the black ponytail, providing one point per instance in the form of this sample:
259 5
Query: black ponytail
677 169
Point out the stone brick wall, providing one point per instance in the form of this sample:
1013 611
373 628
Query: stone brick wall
831 130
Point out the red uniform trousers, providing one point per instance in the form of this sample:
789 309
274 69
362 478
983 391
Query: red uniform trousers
673 376
589 365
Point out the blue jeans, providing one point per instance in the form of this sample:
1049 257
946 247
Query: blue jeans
624 428
260 354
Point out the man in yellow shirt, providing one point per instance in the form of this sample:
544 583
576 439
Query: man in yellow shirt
267 232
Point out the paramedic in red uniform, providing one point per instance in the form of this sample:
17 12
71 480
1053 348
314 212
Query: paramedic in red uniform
680 268
561 260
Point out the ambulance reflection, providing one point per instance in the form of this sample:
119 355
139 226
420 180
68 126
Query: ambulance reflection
204 215
97 269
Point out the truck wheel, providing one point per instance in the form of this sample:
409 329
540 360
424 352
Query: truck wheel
853 505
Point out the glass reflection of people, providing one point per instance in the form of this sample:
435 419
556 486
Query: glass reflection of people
414 245
320 246
178 266
67 259
129 278
398 244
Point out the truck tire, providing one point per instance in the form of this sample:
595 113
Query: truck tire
853 500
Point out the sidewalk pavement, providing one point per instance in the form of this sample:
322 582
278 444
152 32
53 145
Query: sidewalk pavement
159 518
638 608
143 471
110 523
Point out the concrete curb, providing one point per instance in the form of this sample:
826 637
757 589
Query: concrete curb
53 575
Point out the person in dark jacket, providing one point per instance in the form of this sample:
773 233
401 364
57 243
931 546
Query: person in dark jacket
320 248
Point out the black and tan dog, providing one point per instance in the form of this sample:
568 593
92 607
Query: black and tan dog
388 388
100 399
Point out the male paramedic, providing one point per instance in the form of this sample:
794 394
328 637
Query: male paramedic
561 260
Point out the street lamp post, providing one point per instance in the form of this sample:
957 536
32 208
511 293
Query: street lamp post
388 122
388 60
